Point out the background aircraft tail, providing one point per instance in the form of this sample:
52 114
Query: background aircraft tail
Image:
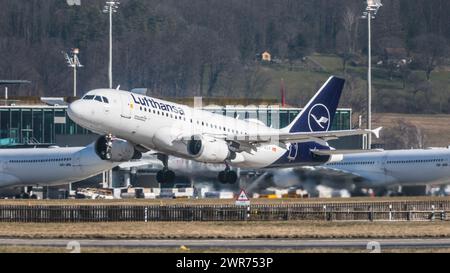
318 114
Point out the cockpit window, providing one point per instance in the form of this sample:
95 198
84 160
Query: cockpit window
98 98
105 100
88 97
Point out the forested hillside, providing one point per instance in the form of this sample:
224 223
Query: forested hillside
211 47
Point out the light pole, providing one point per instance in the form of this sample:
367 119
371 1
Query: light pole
74 62
110 7
371 10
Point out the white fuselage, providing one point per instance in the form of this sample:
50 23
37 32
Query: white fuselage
398 167
49 166
158 125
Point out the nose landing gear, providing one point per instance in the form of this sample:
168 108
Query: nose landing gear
165 175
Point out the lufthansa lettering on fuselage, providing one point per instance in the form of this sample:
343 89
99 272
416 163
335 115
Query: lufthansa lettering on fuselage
149 102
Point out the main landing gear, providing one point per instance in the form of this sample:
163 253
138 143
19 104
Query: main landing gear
228 176
165 175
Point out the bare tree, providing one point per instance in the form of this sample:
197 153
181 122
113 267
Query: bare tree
403 135
350 27
430 51
256 81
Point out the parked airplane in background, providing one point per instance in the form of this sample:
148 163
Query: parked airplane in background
396 167
57 166
379 170
181 131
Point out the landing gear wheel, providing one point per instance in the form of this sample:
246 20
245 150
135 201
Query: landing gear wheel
222 177
169 176
231 177
227 177
160 177
165 176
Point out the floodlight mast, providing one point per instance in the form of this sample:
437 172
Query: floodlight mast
110 7
74 62
371 10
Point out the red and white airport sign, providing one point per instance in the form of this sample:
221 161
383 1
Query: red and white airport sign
242 199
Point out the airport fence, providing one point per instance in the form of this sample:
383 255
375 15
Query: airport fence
308 211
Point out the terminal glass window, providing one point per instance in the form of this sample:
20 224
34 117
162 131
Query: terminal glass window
240 114
48 126
231 113
15 125
71 128
292 115
38 125
81 130
4 123
342 120
346 120
284 118
252 114
35 125
27 126
60 121
262 115
273 118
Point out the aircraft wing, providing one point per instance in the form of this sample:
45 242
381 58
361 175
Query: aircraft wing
7 180
302 137
138 163
249 141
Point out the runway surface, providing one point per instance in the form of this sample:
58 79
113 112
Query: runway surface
242 244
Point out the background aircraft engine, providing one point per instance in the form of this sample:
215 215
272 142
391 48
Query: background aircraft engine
116 150
209 150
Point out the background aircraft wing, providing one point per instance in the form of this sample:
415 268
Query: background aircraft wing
325 172
7 180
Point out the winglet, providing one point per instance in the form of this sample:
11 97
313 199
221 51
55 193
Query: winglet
376 132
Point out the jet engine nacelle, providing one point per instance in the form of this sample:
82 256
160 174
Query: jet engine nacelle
116 150
209 150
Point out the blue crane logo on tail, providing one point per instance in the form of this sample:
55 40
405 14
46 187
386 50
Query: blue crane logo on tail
319 118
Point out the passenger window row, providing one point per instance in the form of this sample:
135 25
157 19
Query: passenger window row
415 161
204 124
352 163
40 160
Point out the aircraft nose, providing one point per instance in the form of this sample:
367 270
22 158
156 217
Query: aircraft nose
76 111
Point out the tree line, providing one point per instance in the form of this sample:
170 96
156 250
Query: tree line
209 47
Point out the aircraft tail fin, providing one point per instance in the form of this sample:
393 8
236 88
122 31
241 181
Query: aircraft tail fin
319 113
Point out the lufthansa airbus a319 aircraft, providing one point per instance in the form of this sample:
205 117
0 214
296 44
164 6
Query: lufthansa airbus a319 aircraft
171 129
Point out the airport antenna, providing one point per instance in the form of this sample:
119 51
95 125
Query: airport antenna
74 62
371 10
110 8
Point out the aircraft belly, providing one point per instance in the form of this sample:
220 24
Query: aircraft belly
262 158
421 176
